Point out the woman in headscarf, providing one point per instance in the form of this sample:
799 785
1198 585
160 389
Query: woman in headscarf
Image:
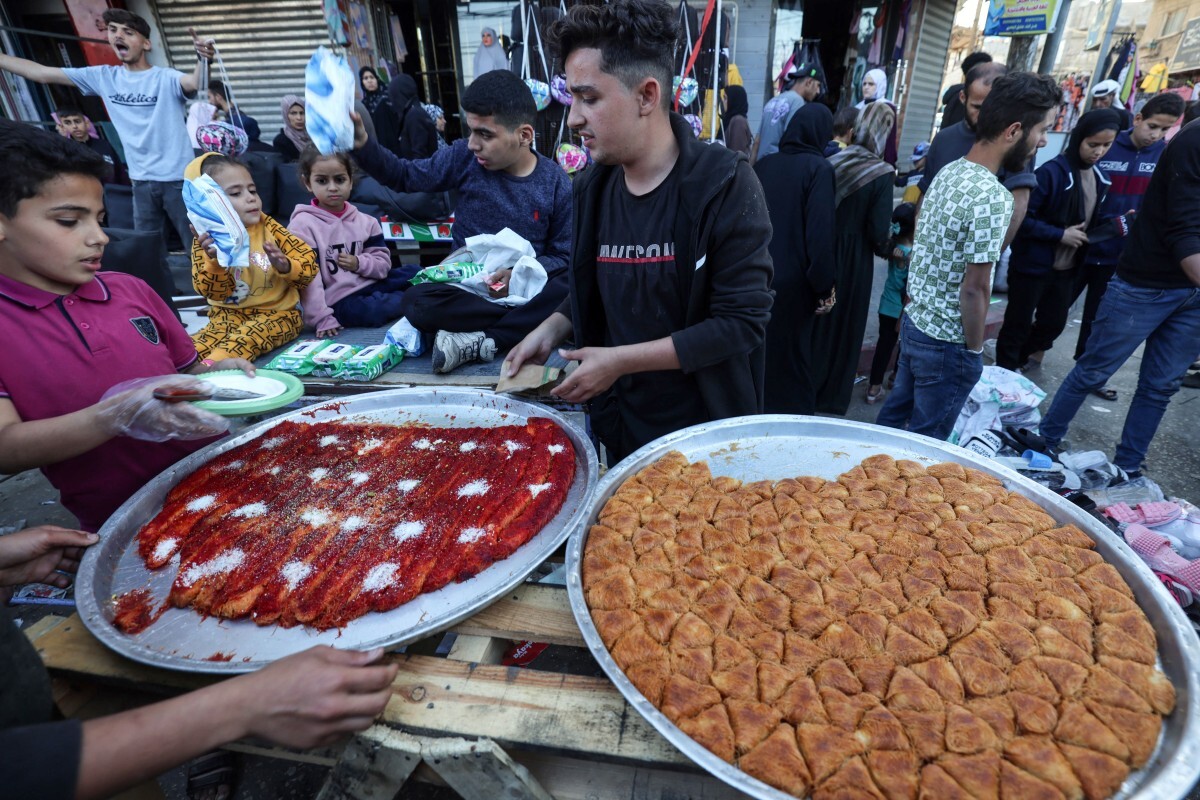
375 98
863 197
490 54
798 183
1044 266
874 88
291 141
734 123
418 134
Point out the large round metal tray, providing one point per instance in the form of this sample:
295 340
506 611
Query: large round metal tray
184 640
773 447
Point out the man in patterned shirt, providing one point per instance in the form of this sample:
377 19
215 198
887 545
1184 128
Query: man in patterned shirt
960 234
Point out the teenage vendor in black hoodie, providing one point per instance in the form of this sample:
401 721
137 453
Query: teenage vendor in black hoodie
670 275
1153 298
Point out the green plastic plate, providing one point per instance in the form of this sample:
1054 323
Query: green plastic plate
278 389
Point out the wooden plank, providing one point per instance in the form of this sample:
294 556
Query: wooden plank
533 612
43 626
573 779
525 709
477 649
321 756
374 766
481 770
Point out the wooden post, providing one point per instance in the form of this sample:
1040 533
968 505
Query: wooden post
375 765
481 770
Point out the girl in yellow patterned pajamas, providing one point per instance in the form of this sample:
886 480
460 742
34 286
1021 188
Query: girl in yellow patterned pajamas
252 309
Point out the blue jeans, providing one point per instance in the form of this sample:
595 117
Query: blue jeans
156 203
376 303
1168 321
933 381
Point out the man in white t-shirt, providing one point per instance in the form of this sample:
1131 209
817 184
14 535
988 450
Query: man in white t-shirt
804 84
147 106
960 234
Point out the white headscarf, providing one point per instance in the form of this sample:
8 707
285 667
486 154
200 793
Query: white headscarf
880 78
490 58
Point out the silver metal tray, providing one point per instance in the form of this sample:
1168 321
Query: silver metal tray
184 640
773 447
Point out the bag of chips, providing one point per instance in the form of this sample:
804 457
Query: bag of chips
449 272
298 359
369 363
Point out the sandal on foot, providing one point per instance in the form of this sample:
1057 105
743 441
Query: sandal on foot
212 776
874 397
1105 393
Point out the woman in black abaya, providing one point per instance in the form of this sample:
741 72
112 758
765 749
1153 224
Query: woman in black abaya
798 184
863 223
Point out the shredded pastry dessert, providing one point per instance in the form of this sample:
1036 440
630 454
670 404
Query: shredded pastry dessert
900 632
318 524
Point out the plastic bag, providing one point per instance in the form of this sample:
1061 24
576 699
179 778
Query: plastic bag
558 89
130 409
329 87
540 91
212 212
690 90
1000 397
223 138
571 157
406 337
1138 490
499 251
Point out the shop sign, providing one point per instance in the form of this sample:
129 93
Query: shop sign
1187 55
1020 17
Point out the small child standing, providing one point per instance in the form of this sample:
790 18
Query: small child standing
252 308
891 300
356 286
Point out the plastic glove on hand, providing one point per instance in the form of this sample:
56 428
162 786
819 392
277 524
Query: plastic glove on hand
130 409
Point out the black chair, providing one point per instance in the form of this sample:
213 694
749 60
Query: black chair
289 191
143 255
262 166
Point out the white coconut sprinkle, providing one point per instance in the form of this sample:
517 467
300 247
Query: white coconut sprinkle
555 449
379 577
467 447
408 530
359 477
294 572
315 517
201 503
233 465
537 488
274 441
369 445
422 444
474 488
328 440
226 562
250 511
353 523
408 485
165 548
318 473
471 535
513 446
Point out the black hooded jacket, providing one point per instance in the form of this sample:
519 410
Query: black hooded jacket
417 131
722 230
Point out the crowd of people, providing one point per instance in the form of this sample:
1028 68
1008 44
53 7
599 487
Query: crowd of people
688 282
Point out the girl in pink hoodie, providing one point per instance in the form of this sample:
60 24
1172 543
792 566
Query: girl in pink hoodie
357 286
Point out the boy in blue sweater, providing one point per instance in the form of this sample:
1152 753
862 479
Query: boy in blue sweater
1129 165
501 183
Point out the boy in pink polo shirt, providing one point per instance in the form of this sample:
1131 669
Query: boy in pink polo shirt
71 335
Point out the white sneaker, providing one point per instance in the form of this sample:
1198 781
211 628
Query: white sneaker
452 350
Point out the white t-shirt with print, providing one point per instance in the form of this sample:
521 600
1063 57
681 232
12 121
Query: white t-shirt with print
963 220
147 108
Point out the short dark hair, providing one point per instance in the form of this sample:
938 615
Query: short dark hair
69 111
122 17
31 157
216 162
985 73
502 95
975 59
1192 112
311 155
1023 97
218 88
843 121
1166 103
636 40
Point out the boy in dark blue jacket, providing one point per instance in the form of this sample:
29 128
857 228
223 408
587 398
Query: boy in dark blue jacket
1045 253
1128 165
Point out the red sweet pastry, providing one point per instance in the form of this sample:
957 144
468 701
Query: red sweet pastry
319 524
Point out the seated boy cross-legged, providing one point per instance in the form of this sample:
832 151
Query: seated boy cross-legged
502 183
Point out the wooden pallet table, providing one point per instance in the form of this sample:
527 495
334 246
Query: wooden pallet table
487 730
